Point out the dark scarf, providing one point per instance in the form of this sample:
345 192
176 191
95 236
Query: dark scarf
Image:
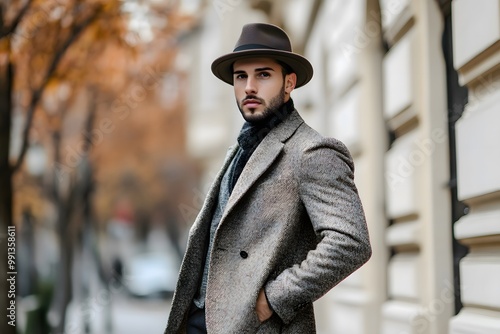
251 135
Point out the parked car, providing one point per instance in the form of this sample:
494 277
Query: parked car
151 274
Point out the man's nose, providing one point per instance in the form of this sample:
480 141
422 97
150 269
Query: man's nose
250 87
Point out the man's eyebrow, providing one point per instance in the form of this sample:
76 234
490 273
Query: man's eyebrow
260 69
264 69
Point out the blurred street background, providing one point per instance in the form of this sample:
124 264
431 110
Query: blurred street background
112 128
94 162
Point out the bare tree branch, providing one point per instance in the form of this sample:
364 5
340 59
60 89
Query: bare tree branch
5 31
37 94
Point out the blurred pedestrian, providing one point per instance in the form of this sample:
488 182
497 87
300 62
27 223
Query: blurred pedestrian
282 223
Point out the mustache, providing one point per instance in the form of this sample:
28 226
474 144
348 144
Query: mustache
253 97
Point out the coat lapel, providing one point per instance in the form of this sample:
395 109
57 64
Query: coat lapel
213 193
262 158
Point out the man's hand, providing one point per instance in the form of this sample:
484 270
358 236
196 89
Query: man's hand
262 308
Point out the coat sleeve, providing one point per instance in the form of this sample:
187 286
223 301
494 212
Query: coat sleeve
331 199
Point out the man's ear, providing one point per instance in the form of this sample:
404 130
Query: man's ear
290 82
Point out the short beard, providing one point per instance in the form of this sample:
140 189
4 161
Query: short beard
274 104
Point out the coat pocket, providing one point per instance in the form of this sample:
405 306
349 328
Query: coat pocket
271 326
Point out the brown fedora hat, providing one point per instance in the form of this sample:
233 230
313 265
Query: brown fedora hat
263 40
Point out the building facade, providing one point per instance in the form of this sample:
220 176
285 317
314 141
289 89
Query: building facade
412 88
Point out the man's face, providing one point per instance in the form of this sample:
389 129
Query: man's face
260 88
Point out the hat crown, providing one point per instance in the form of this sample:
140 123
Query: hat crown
263 36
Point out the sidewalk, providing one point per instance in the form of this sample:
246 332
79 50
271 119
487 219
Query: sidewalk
128 316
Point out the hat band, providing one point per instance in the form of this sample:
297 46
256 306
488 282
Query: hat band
252 46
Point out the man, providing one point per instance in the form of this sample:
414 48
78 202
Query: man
282 223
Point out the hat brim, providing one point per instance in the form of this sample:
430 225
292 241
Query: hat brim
222 66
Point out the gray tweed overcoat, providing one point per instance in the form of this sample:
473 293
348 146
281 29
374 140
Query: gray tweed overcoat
294 225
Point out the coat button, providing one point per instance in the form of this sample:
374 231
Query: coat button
243 254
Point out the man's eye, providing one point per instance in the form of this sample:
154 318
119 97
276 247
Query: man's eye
240 76
264 75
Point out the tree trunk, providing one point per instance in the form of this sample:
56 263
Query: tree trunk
5 184
65 279
64 205
77 202
63 292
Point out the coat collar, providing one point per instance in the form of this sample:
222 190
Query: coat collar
263 157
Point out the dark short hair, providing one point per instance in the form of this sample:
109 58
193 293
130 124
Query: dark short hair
285 68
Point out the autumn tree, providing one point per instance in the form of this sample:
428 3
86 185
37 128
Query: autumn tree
46 45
